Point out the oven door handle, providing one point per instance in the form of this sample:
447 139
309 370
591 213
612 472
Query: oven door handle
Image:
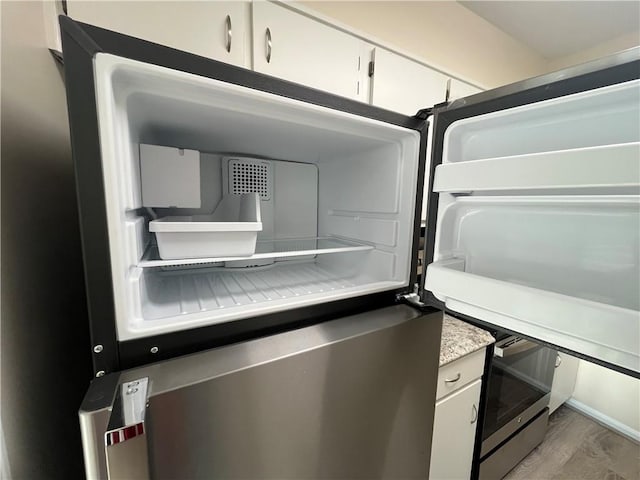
512 346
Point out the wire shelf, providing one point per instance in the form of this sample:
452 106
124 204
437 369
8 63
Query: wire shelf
271 249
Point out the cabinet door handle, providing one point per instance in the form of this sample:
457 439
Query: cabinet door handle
474 417
558 360
452 380
268 44
229 33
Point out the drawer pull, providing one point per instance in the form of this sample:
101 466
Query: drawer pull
452 380
474 417
268 44
558 360
229 33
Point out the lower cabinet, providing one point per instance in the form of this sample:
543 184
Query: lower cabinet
454 433
454 429
564 380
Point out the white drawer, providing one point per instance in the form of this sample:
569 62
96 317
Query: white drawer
459 373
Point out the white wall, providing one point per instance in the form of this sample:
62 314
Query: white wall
609 47
444 34
610 396
45 346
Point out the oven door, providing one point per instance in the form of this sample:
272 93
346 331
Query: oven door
519 386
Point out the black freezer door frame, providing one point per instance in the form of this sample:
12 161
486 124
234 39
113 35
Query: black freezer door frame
606 71
81 42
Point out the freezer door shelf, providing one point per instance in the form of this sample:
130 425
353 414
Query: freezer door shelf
613 167
271 249
562 269
596 329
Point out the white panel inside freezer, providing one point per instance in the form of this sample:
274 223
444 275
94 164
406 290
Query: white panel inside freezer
169 177
342 187
538 226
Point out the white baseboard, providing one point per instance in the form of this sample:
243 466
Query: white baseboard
604 420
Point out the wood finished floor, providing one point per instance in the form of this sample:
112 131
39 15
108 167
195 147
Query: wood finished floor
577 448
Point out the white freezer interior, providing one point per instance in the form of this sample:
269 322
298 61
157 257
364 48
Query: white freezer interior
538 226
343 187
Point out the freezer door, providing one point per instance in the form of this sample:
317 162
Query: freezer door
350 398
534 210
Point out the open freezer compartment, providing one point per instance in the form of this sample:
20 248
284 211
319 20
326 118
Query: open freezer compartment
337 197
538 222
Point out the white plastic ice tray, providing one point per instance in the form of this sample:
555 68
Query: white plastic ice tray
231 231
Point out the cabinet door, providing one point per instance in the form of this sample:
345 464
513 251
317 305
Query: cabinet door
459 89
564 380
454 430
294 47
404 86
217 30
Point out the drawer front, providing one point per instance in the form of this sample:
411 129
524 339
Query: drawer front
459 373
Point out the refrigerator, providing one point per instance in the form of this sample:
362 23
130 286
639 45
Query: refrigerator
309 347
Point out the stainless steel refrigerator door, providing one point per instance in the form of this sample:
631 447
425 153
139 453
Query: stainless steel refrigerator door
349 398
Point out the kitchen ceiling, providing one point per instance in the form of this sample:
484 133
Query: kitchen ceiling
558 28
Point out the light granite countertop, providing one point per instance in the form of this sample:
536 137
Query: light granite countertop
460 338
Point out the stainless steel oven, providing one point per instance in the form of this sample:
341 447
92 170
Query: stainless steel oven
516 406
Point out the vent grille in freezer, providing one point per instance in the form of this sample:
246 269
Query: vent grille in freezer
250 176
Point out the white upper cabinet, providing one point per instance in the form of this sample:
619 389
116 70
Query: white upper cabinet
217 30
294 47
459 89
402 85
